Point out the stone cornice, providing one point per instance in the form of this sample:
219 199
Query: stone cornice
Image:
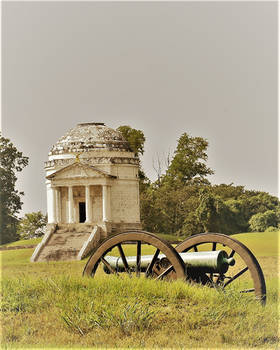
93 161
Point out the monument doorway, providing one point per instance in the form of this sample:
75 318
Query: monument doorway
82 211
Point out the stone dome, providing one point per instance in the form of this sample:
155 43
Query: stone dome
89 137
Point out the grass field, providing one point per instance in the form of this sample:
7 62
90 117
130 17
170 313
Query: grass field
52 305
23 242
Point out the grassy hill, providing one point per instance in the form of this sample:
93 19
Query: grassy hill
22 242
261 243
52 305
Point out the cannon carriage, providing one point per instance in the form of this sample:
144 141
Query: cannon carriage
211 259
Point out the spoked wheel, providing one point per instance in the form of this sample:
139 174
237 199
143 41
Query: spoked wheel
136 253
246 274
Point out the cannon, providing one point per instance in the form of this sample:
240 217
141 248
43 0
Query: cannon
211 259
208 262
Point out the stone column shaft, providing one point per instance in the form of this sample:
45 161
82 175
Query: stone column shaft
58 204
88 204
51 205
70 205
106 203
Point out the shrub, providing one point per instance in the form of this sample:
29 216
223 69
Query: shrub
272 229
261 221
32 225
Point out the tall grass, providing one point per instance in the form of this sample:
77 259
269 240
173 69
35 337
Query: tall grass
50 305
125 312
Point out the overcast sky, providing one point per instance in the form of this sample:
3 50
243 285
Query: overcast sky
205 68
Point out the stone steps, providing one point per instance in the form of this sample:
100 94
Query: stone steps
63 245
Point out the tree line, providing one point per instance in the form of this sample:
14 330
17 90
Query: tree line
181 201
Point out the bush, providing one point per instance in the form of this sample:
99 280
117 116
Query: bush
32 225
272 229
261 221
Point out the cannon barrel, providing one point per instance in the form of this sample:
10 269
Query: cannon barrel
208 261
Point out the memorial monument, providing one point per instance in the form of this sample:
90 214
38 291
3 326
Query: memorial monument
92 191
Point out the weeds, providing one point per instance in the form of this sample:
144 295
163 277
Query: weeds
85 311
50 304
83 317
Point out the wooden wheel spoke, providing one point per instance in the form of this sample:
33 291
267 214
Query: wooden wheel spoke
247 290
126 267
165 272
220 278
109 267
152 263
236 276
234 249
138 259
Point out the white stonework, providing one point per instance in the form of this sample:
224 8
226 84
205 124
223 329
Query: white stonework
92 178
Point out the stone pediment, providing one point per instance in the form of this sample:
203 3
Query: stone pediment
79 171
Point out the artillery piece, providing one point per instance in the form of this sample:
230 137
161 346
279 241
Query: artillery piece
212 259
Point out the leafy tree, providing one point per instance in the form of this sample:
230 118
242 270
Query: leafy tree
235 220
272 229
171 201
188 163
134 137
262 221
260 203
169 209
136 140
11 161
230 191
32 225
183 202
210 211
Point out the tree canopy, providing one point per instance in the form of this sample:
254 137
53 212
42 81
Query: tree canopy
134 137
32 225
189 161
182 201
11 162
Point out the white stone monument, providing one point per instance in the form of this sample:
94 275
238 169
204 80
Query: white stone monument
92 191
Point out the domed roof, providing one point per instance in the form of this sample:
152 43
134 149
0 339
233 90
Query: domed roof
90 136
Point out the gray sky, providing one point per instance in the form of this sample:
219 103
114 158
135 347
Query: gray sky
205 68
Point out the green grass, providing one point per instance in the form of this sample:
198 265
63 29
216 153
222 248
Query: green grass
33 241
23 242
52 305
261 243
170 238
77 311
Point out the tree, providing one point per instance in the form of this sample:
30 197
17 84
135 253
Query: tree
262 221
188 164
134 137
136 140
32 225
210 210
11 161
169 205
229 191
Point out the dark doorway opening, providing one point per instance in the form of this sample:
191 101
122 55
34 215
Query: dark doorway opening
82 211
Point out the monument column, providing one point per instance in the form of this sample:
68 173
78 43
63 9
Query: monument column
51 205
106 203
70 205
58 204
88 204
